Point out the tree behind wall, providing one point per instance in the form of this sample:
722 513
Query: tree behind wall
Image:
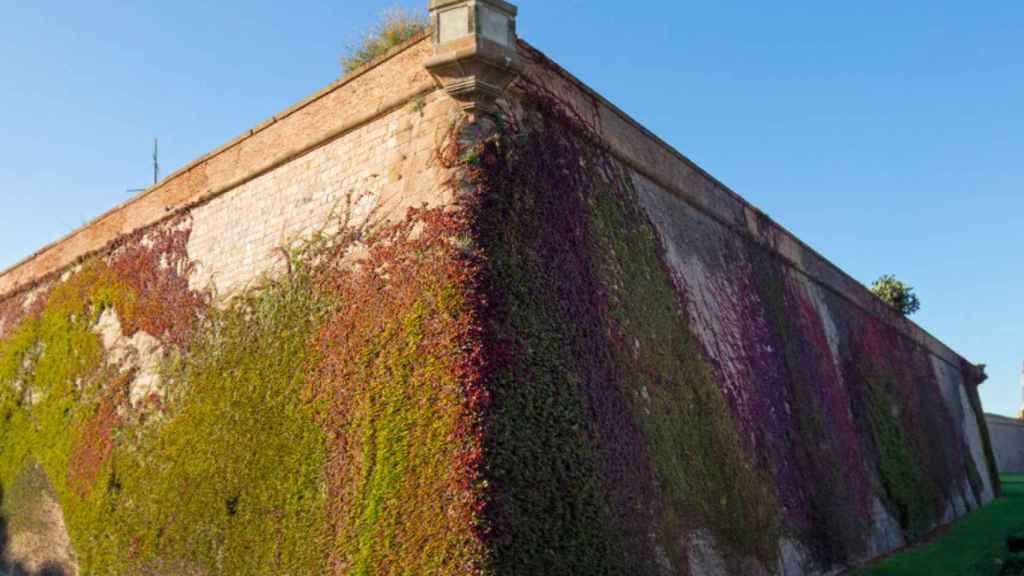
897 294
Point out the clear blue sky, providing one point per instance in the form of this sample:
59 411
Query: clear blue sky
888 135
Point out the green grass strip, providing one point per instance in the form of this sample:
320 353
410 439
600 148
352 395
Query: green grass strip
973 546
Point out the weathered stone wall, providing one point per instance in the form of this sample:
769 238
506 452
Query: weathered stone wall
580 355
870 429
1007 443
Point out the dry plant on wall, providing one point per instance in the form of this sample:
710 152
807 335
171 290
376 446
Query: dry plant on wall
395 26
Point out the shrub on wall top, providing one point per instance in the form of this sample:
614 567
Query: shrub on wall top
396 26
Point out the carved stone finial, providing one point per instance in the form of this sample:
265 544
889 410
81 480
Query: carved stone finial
475 50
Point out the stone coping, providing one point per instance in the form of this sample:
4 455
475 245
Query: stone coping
1001 420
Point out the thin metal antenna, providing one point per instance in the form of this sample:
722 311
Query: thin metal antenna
156 168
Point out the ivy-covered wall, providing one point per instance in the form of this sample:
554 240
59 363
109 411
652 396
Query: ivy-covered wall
733 411
319 422
549 364
872 440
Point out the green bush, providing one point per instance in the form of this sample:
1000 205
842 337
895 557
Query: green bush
896 294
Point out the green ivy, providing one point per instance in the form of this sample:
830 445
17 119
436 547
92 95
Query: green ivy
50 374
231 482
909 491
227 479
696 450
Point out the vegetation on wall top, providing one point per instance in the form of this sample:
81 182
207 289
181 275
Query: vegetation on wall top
896 294
395 26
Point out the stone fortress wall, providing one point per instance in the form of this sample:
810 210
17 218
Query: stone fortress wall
361 150
819 327
857 429
1007 443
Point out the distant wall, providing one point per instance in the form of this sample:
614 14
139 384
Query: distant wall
1007 442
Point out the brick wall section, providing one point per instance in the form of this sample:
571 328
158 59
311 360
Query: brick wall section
654 159
370 107
380 169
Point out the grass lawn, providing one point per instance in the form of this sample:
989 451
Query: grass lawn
974 546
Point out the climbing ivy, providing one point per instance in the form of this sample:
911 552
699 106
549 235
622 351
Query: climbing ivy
225 476
398 390
905 484
608 437
509 384
831 519
229 478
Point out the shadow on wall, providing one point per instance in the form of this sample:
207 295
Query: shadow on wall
17 568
